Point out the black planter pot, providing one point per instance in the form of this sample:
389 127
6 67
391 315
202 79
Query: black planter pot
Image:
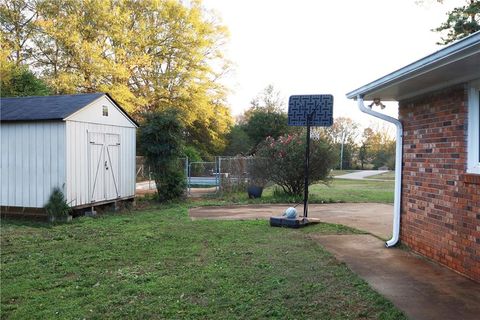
254 192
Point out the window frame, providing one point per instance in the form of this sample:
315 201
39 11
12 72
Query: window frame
473 139
104 110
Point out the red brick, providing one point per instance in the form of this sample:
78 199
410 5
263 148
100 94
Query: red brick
440 201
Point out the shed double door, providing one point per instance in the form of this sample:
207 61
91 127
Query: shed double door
104 166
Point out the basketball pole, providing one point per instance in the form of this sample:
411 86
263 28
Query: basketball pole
307 165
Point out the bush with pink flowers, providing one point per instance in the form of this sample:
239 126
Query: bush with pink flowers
284 161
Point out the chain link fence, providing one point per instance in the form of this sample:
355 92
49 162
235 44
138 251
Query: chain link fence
203 175
224 174
145 182
234 173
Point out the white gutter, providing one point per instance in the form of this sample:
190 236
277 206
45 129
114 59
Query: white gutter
398 169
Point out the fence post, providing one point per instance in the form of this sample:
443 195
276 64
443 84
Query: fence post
186 171
218 169
149 179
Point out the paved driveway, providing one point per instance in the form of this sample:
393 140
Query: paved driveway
360 175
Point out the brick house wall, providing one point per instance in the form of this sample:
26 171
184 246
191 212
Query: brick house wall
440 216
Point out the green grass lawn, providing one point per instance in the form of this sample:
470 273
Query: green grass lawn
157 264
342 190
338 190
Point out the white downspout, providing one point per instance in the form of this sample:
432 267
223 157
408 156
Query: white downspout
398 169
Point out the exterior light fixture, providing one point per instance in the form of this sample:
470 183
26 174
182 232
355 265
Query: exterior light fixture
377 102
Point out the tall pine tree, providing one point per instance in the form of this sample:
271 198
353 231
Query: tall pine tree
461 22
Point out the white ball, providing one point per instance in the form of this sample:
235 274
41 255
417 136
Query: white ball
291 213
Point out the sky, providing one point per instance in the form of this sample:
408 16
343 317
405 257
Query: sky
320 46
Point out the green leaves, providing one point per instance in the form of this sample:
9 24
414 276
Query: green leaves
57 206
284 163
461 22
20 82
161 142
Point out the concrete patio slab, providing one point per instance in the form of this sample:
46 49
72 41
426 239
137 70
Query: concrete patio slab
375 218
420 288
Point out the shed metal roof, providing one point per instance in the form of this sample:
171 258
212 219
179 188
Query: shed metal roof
47 107
456 63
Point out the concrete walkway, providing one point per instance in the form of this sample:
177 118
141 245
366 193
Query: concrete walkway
375 218
360 175
420 288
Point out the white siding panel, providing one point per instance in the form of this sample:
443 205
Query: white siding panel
78 159
32 165
17 165
39 169
93 113
25 155
4 176
33 162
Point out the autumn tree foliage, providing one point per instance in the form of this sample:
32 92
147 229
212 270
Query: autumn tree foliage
150 55
344 132
377 147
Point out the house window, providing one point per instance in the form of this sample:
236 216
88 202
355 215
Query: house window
474 128
105 111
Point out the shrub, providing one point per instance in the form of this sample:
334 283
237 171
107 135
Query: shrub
171 185
284 161
57 207
161 142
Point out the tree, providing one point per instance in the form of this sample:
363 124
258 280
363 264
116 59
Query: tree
362 155
461 22
265 117
262 124
238 142
161 142
284 158
379 147
344 131
342 128
17 26
149 55
269 100
19 82
16 79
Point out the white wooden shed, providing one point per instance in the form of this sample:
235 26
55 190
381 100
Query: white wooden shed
83 144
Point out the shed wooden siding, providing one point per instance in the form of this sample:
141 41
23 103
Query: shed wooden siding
32 162
93 113
77 190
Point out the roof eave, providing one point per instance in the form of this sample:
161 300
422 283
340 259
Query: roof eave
467 47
